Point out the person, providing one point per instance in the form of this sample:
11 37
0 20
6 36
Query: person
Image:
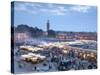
35 68
50 67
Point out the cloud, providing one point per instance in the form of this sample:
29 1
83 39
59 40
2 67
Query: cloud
51 9
20 8
60 11
27 7
40 8
55 11
80 9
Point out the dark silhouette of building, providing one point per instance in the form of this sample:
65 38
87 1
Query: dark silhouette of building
48 25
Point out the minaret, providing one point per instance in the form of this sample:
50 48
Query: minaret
48 26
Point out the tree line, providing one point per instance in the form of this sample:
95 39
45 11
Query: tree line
33 31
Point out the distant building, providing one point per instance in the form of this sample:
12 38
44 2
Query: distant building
21 37
76 36
64 36
61 36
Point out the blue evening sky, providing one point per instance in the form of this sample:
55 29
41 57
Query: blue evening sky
62 17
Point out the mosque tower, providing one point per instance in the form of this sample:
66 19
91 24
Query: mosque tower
48 25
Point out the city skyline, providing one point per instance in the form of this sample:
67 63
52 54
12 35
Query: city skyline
62 17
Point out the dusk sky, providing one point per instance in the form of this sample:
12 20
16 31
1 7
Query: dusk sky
63 17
